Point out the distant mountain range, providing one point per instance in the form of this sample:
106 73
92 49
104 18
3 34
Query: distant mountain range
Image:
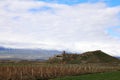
14 54
118 57
2 48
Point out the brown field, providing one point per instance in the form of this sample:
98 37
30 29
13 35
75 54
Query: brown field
49 71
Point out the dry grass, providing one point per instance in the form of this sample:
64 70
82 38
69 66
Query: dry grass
45 72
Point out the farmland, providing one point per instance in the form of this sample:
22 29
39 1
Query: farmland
45 71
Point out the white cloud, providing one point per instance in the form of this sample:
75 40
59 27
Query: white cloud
79 27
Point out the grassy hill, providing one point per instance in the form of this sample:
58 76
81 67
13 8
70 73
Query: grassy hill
98 57
88 57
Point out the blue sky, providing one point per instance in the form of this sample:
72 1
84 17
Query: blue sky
72 2
114 31
76 25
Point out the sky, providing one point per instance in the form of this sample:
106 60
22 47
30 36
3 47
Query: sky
72 25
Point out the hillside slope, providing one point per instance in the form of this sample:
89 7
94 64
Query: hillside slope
98 57
88 57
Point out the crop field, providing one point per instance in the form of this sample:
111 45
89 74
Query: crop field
50 71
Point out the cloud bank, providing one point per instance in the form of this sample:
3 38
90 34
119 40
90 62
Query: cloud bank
80 27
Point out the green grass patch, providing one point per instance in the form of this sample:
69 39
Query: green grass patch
97 76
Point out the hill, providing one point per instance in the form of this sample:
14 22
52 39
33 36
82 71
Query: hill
97 56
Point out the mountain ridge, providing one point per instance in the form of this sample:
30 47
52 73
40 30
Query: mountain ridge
12 53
